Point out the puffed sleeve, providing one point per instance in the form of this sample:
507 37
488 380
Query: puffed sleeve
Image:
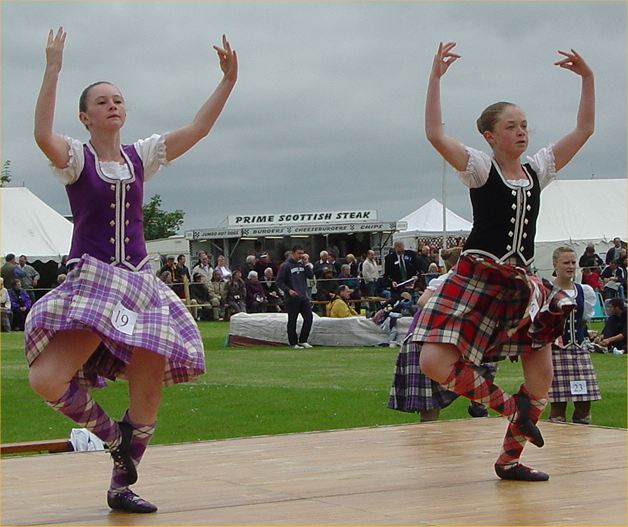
590 299
478 168
72 171
152 150
543 164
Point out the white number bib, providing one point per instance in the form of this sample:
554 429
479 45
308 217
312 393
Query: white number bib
578 387
123 319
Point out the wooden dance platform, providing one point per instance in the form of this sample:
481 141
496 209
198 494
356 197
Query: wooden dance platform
425 474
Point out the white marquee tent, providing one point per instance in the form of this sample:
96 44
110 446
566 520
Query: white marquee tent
31 227
576 212
427 221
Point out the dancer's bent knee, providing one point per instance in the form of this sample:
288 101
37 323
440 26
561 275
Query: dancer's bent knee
437 360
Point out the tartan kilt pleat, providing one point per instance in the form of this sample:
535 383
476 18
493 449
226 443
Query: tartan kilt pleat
89 298
573 363
484 309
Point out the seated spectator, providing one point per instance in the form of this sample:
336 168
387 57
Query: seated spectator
60 279
199 297
255 296
166 278
235 293
392 311
590 258
217 294
591 277
5 308
222 268
274 295
614 332
262 263
20 304
249 265
339 307
614 279
346 278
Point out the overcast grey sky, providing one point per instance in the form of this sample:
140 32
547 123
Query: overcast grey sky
328 110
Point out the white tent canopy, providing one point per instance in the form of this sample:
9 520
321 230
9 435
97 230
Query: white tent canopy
427 221
577 212
31 227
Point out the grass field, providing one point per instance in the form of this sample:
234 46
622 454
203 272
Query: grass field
268 390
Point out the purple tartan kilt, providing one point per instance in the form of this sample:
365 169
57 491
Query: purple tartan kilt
483 309
572 363
88 300
412 390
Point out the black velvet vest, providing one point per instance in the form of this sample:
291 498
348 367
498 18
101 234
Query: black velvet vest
504 218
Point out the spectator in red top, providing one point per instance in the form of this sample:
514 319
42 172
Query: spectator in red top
591 277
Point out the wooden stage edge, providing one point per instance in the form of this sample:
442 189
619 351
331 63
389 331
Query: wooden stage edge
437 473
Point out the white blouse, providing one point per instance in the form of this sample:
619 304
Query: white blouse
479 166
151 150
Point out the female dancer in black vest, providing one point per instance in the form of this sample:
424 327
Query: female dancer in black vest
491 307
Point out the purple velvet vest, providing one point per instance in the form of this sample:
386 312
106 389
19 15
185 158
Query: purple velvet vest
108 218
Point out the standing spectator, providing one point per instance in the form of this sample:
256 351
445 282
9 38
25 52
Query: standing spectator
292 281
7 271
255 296
590 258
423 259
370 275
29 276
181 276
353 264
169 267
249 265
323 262
5 308
574 377
217 294
204 268
310 283
401 265
274 295
20 304
222 268
262 263
236 293
614 252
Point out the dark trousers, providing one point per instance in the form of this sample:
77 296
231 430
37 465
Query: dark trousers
294 306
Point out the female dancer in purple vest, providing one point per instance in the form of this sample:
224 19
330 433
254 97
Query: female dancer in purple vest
490 308
112 317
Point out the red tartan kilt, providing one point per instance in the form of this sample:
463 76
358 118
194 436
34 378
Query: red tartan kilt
482 309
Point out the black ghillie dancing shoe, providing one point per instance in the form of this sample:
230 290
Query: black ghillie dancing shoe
128 501
520 472
121 454
527 427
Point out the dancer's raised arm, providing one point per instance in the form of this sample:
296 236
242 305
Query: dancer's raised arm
51 144
451 149
180 141
568 146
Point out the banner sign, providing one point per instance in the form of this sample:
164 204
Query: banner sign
287 230
242 220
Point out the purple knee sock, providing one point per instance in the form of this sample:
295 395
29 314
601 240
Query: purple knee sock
77 404
142 435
